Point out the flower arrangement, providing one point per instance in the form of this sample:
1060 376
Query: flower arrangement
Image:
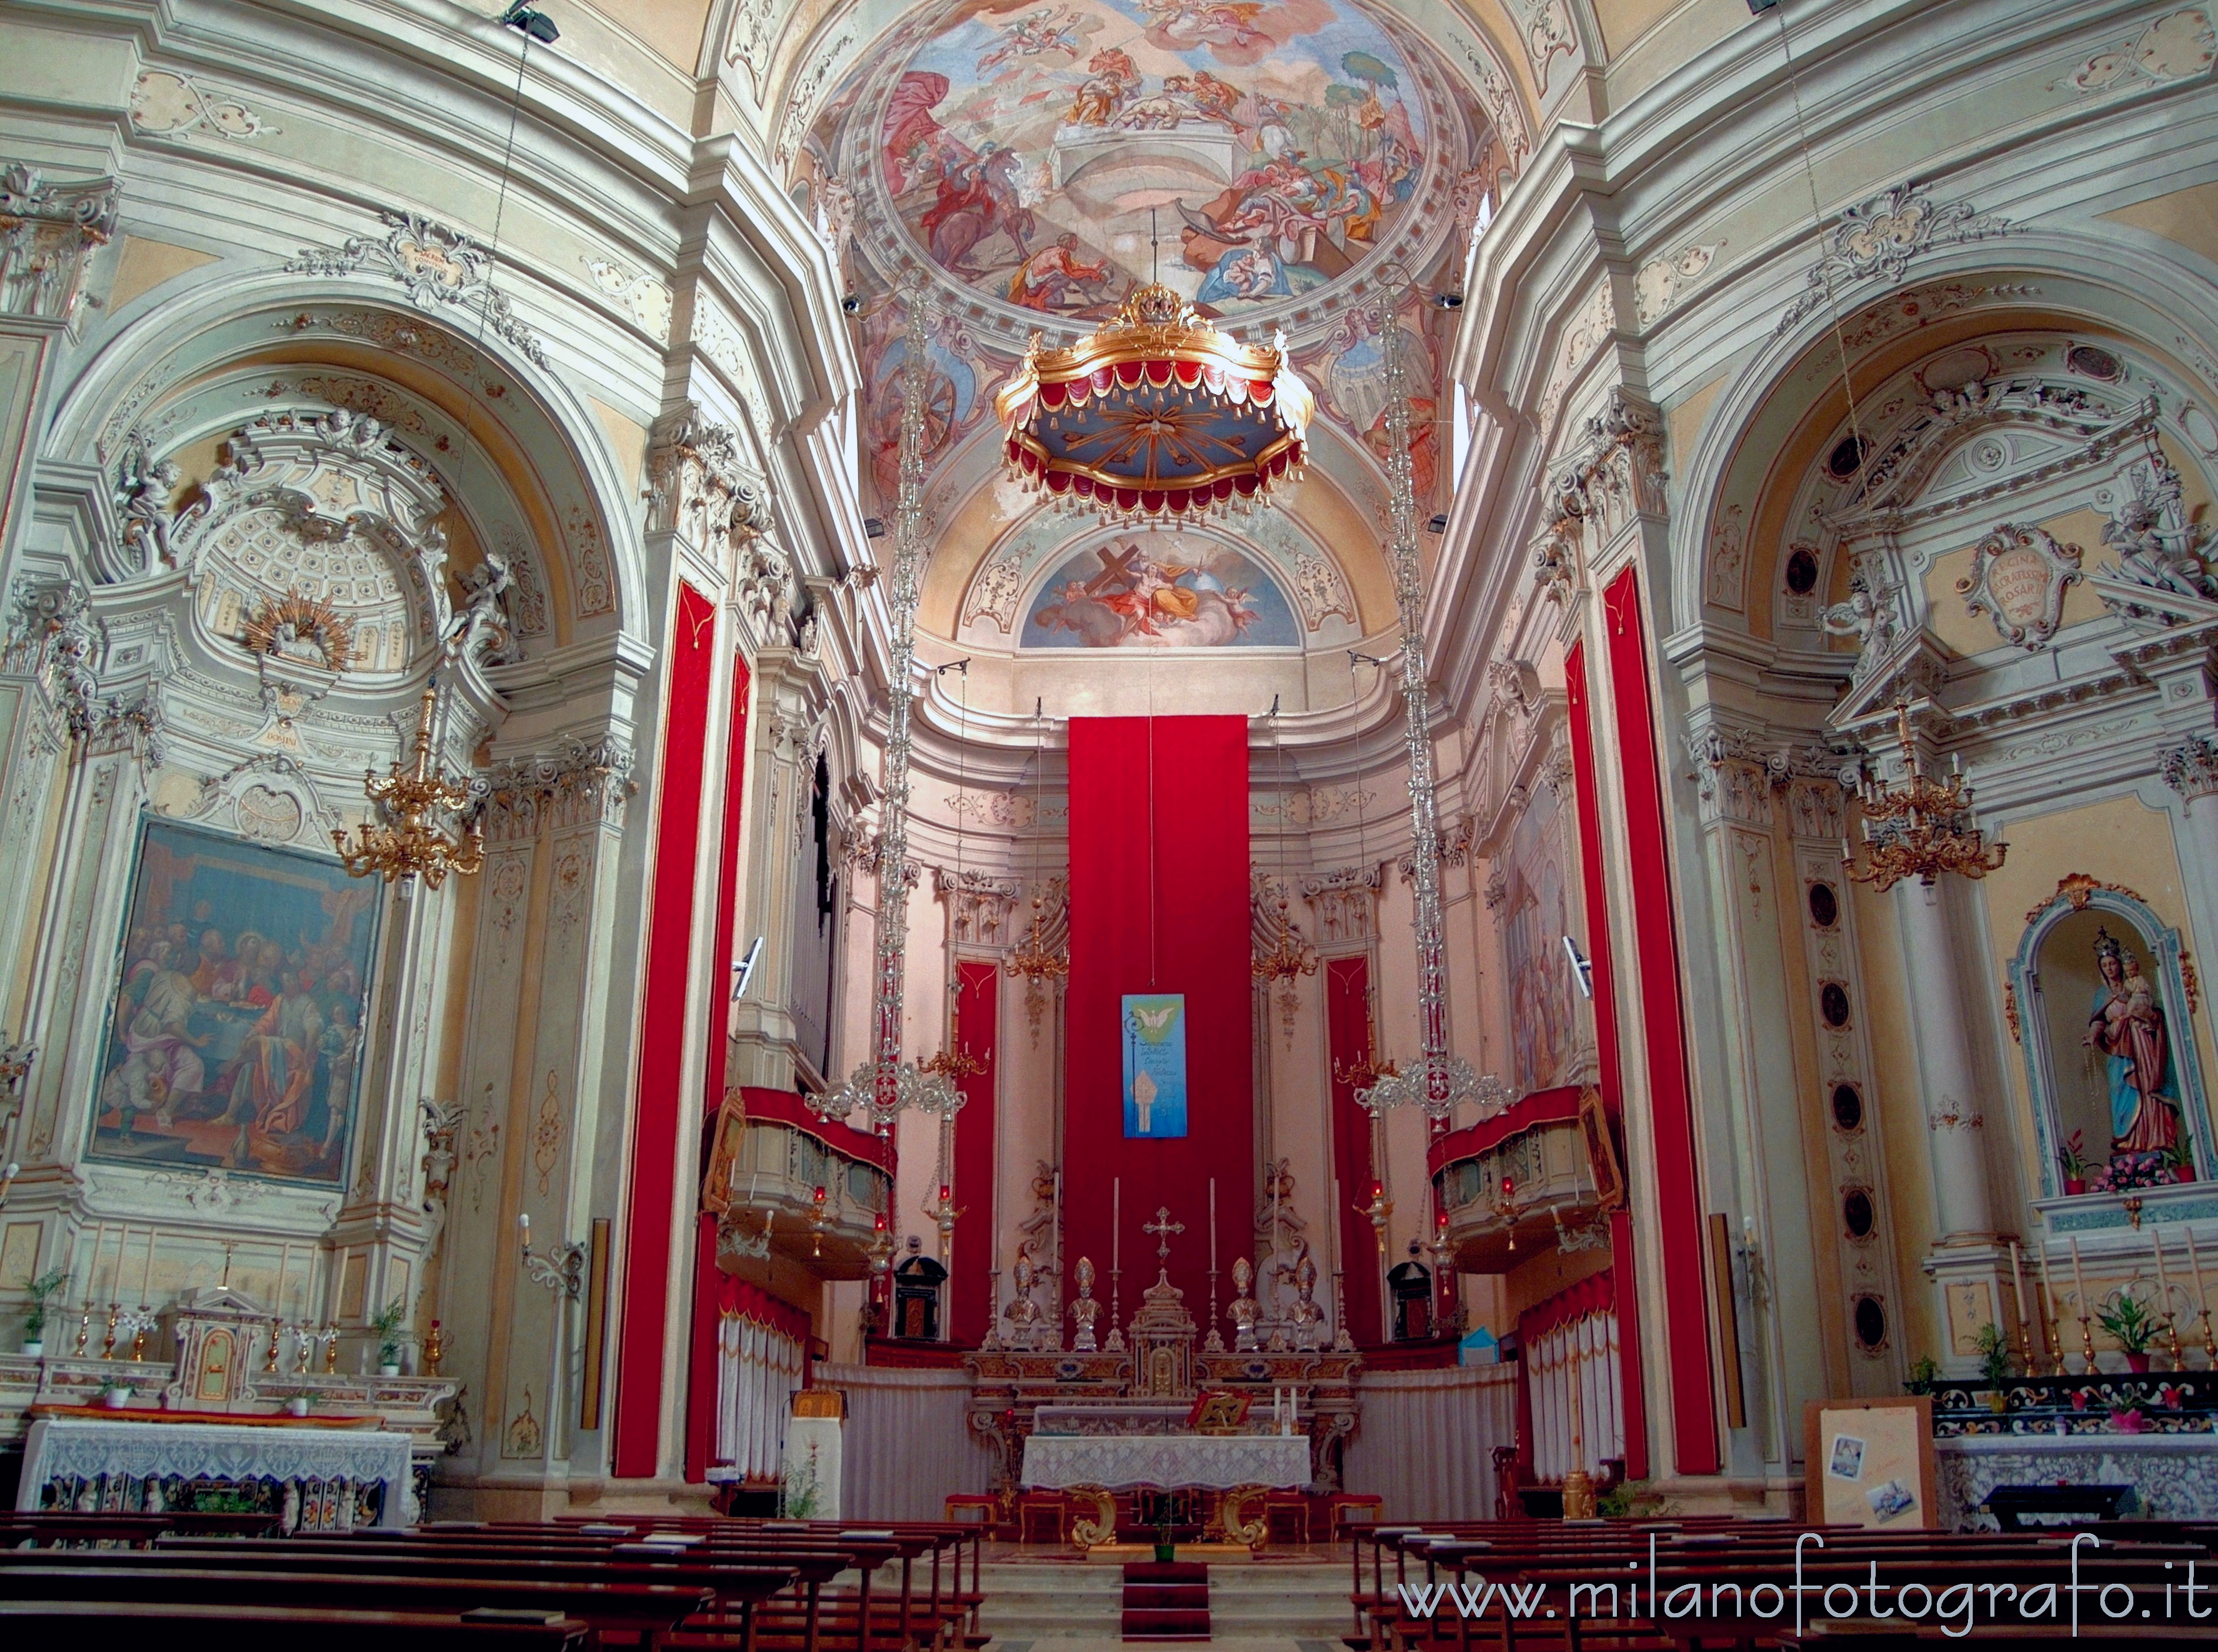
2129 1171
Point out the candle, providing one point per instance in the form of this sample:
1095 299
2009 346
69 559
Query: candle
146 1273
2163 1285
1116 1220
116 1270
2078 1279
284 1267
1212 1224
2195 1267
2017 1283
2047 1293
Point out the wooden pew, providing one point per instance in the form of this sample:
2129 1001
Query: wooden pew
640 1612
111 1626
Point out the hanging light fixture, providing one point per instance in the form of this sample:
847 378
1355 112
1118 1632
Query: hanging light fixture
1439 1081
884 1086
424 835
1919 828
1155 413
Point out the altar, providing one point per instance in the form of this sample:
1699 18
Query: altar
312 1478
1165 1462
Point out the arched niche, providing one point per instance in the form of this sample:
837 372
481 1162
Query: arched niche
527 469
2096 959
1756 487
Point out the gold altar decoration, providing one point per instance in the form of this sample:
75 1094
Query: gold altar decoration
426 837
1155 413
279 625
1919 827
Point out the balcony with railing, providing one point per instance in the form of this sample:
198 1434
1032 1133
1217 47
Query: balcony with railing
1525 1182
784 1183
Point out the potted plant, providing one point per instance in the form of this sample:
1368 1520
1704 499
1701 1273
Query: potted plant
115 1394
1165 1547
1995 1365
2073 1163
41 1290
385 1325
798 1493
1924 1371
2133 1323
2179 1159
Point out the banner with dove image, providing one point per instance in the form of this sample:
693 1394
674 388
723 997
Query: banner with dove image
1155 1065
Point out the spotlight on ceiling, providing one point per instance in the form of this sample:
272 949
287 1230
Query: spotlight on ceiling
536 24
1439 524
851 304
1757 7
874 526
1448 300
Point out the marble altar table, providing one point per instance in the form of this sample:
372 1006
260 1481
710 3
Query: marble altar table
1169 1461
315 1478
2174 1475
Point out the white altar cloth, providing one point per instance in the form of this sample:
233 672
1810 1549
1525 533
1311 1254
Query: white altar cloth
81 1451
1122 1461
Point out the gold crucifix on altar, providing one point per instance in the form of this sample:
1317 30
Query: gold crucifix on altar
1162 1227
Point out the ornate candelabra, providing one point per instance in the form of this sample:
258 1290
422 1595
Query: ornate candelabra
1289 957
884 1086
1920 827
424 838
1439 1081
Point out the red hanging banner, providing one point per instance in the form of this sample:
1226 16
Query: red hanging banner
1606 1052
657 1103
1347 1034
977 1027
1159 906
1697 1447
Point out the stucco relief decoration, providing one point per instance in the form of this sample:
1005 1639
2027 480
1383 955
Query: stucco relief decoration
1504 107
435 264
1729 558
646 300
1595 320
165 104
270 798
2175 46
1877 239
748 48
1662 282
2018 579
995 592
297 626
327 513
48 233
1545 28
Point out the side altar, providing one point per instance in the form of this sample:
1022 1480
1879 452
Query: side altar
218 1401
1107 1415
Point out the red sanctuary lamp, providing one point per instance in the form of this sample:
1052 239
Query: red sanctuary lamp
1155 413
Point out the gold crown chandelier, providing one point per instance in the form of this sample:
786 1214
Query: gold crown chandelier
425 836
1155 413
1919 828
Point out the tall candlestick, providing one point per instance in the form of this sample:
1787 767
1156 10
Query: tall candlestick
2163 1284
2024 1331
1116 1222
146 1273
2078 1279
2050 1333
2195 1267
1212 1224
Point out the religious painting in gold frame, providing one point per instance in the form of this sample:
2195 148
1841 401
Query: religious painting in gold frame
1601 1151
